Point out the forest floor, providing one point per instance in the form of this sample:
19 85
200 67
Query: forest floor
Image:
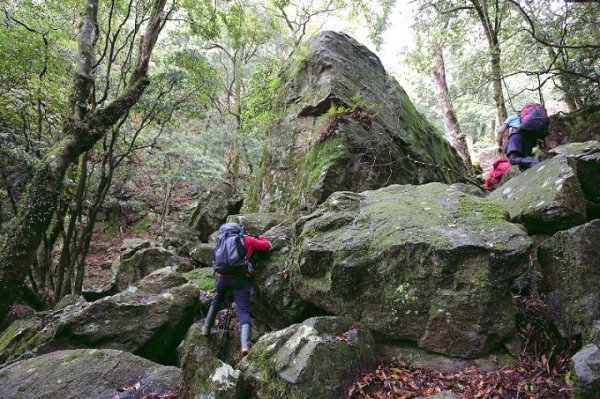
540 372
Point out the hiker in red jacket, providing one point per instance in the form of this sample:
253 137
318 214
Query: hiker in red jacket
494 176
237 281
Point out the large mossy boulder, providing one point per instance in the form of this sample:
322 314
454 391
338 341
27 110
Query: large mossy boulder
575 127
88 373
346 125
425 263
219 200
570 262
545 199
205 376
313 359
149 319
559 193
585 160
138 259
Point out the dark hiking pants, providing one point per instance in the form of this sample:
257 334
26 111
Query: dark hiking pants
240 286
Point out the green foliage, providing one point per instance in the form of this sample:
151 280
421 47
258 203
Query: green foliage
531 73
335 110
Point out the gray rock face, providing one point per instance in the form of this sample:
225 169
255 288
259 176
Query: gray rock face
586 367
85 373
314 359
424 263
179 237
275 301
575 127
257 223
585 159
202 254
347 125
571 272
545 199
149 319
205 376
557 194
215 203
138 259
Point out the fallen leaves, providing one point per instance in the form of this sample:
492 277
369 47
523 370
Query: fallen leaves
396 380
540 371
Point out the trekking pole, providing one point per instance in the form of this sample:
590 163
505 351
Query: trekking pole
225 336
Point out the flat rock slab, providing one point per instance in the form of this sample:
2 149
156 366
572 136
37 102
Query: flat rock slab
88 373
557 194
545 199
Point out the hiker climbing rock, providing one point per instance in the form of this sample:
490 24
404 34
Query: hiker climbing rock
494 176
524 131
231 262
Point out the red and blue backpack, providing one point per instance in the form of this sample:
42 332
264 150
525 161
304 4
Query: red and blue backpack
534 121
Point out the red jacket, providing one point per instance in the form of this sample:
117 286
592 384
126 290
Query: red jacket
252 244
499 168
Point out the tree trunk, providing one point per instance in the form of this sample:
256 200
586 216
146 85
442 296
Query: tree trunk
491 29
81 131
63 274
497 84
456 137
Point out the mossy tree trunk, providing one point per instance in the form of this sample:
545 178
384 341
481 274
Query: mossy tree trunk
84 127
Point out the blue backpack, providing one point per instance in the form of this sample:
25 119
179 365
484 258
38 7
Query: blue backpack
534 121
229 255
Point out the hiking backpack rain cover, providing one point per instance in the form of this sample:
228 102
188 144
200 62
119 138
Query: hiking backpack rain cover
229 255
534 121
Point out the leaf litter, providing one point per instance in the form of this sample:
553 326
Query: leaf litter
539 372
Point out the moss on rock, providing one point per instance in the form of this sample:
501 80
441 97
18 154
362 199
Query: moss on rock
427 263
389 143
203 278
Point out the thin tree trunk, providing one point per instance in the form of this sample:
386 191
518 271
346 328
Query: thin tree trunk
491 29
456 137
65 269
81 131
497 84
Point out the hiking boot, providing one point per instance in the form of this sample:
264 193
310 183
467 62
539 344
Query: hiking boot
245 338
208 322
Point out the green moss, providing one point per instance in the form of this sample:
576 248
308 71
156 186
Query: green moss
14 330
98 354
474 211
142 225
270 383
73 356
111 230
321 157
203 278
